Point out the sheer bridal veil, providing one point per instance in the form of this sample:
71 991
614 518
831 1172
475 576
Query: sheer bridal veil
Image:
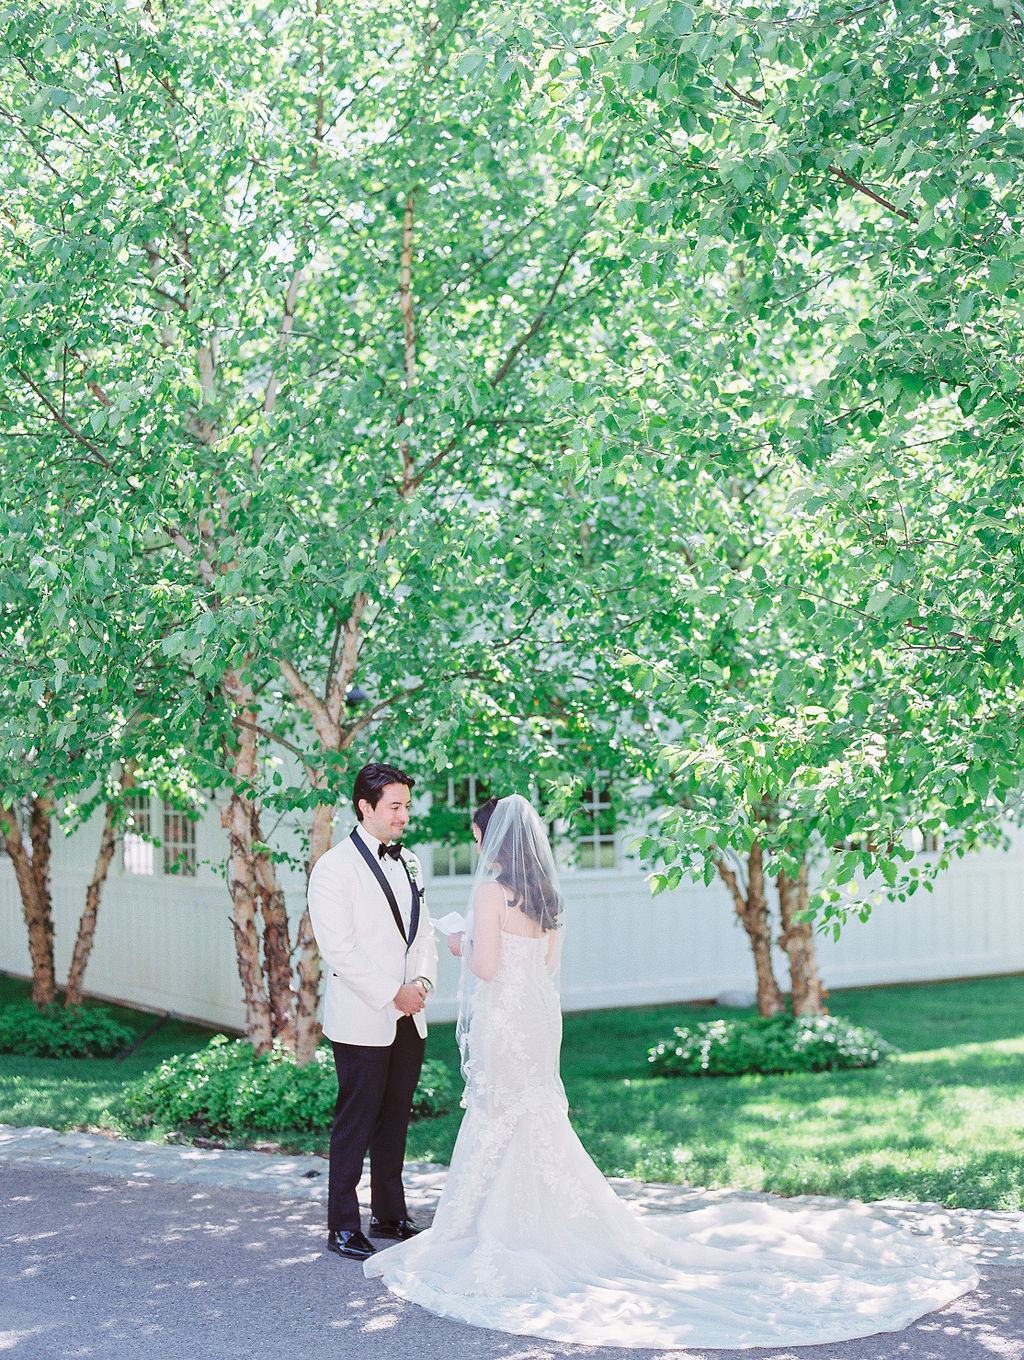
515 855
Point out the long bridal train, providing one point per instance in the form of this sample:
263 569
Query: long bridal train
530 1238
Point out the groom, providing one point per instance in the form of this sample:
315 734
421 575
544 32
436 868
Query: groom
375 938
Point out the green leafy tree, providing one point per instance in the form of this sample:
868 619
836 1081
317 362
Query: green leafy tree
295 298
844 183
441 353
73 734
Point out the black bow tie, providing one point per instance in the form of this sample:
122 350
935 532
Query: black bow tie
394 850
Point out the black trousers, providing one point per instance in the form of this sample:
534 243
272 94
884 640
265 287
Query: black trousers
371 1114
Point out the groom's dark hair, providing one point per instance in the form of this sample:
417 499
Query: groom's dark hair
373 779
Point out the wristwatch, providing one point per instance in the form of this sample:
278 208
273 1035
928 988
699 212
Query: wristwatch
426 984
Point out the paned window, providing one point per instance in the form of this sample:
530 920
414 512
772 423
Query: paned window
461 798
595 830
138 835
586 842
179 844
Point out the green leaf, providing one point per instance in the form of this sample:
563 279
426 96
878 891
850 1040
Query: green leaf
1001 274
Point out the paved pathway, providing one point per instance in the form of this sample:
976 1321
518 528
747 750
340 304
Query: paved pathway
111 1249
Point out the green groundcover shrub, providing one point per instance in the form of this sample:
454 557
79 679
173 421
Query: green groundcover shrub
58 1032
225 1088
780 1043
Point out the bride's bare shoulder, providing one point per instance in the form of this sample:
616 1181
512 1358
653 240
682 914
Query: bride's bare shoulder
489 897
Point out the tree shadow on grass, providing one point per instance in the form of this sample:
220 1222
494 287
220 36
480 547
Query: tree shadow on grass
930 1129
995 1178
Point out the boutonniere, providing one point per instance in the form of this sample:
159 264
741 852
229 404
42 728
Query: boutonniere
413 868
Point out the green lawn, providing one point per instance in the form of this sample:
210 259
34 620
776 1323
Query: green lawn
73 1093
943 1121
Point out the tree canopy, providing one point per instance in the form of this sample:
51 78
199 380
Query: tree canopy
463 381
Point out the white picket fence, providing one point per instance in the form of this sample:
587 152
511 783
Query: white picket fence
166 944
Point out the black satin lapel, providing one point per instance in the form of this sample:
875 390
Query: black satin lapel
414 915
378 874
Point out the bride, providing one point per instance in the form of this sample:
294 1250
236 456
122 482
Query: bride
529 1237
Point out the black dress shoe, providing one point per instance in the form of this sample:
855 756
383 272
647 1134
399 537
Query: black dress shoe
398 1228
352 1244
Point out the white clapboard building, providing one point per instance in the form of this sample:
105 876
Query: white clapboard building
164 939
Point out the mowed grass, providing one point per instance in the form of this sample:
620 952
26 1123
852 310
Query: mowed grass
943 1121
73 1093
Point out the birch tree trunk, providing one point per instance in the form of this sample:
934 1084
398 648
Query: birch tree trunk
237 820
36 906
276 942
40 832
87 921
405 304
255 889
752 910
797 939
307 1027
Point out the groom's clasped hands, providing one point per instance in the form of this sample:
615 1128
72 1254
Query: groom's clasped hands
410 998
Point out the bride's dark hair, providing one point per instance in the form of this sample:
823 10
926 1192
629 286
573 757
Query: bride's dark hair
533 892
483 814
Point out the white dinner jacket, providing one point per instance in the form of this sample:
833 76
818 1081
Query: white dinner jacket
364 954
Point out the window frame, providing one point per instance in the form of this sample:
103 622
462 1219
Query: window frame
137 846
568 836
146 855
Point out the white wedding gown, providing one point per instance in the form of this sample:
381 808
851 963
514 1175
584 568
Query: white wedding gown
529 1238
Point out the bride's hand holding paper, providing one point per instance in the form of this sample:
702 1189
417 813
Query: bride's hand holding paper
451 924
454 926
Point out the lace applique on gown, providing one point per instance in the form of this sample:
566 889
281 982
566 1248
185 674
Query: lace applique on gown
529 1238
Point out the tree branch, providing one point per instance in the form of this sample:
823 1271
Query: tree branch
15 123
283 335
537 322
863 189
327 729
405 305
269 735
341 679
416 481
362 723
752 102
64 423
